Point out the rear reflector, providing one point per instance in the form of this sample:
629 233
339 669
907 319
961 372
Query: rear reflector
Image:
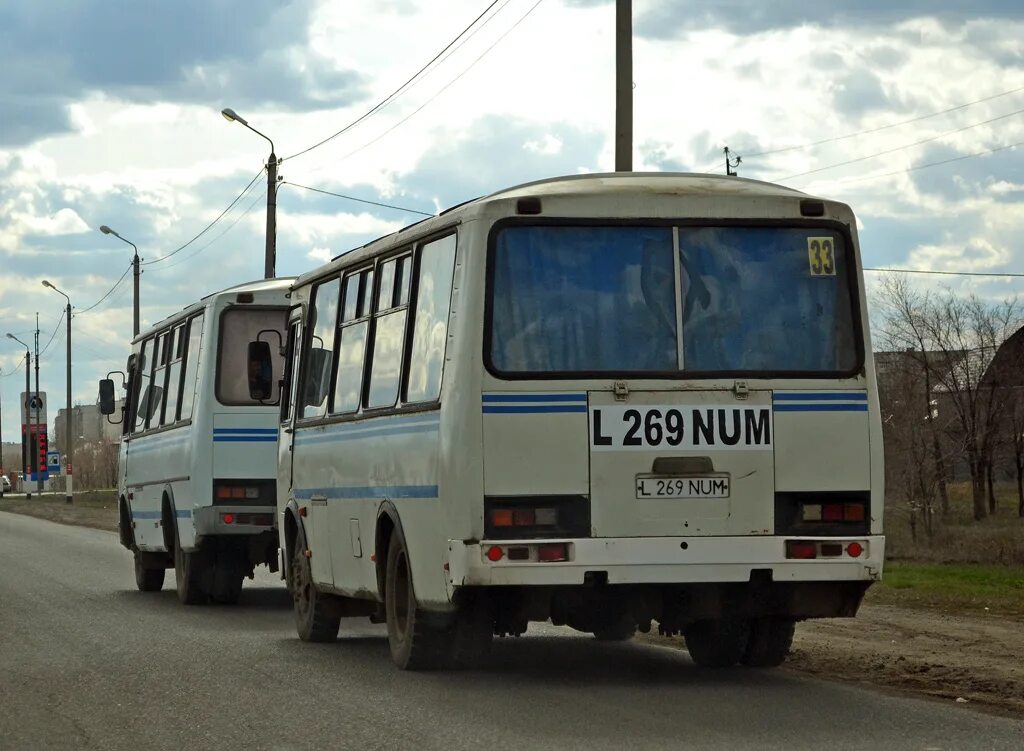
553 552
495 553
227 518
854 549
801 550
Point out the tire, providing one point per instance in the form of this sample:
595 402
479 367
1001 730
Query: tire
148 579
717 643
769 642
188 575
314 619
227 581
414 645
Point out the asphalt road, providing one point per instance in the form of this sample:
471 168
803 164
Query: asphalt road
86 661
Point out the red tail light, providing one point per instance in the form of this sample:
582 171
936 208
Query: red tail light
801 550
854 549
227 518
553 552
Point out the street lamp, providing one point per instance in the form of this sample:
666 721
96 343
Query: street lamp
69 438
25 440
270 258
135 273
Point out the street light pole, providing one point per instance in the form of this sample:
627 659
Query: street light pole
26 440
135 280
623 85
69 439
270 256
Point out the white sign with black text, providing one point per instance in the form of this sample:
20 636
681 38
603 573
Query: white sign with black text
680 427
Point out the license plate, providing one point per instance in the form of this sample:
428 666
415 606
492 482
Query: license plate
707 486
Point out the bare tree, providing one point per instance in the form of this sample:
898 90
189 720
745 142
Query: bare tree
954 340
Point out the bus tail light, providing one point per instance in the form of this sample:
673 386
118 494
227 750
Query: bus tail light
832 512
801 550
539 516
553 552
854 549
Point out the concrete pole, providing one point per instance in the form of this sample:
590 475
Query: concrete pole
270 261
25 444
135 297
35 459
623 85
69 441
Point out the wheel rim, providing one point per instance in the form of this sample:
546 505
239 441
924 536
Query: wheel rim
402 592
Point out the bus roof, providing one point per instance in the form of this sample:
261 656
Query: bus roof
281 283
586 185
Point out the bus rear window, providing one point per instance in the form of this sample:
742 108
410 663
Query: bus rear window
736 300
238 327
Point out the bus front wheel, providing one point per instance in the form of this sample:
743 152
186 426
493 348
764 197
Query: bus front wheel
314 619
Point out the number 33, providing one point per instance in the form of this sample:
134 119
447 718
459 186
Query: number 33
820 256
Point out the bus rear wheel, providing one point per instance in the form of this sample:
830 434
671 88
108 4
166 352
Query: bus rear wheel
769 642
414 644
189 569
148 579
314 619
717 642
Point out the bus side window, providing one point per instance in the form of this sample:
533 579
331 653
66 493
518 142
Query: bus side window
156 386
354 324
143 393
175 351
290 377
390 315
193 350
432 303
317 361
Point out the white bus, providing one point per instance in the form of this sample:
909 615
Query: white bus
605 401
196 474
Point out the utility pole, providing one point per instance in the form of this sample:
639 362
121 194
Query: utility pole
135 297
270 261
623 85
39 471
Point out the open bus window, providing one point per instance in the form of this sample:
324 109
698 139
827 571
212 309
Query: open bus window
238 327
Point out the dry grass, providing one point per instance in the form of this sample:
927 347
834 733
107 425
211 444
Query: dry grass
997 540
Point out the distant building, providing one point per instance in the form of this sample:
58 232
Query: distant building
89 426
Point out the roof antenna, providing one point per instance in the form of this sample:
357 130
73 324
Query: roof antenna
731 164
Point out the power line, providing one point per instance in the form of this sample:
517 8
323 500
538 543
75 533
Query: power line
446 86
905 146
107 293
916 167
946 273
359 200
396 92
55 329
883 127
209 226
227 229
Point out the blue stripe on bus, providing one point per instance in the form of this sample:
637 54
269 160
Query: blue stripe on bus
528 410
820 408
245 438
507 398
245 431
157 514
848 396
369 491
357 431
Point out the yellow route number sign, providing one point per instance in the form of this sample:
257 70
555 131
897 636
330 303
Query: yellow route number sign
821 256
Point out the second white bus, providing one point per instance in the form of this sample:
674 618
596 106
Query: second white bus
196 474
607 401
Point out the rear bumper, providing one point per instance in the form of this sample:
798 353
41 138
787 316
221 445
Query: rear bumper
663 560
209 520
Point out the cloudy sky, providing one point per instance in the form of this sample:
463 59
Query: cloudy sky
109 114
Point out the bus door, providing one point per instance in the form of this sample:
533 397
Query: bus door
286 443
681 463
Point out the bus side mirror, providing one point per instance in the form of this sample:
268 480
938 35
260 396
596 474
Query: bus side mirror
261 371
107 401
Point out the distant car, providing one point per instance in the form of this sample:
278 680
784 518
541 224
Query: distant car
5 484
